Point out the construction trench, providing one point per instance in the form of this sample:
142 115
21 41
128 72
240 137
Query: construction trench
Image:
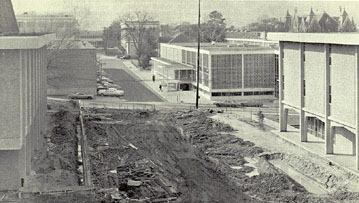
183 156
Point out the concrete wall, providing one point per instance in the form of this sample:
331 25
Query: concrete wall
342 80
73 70
314 76
23 82
291 71
10 82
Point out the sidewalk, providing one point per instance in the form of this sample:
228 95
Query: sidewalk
314 145
188 97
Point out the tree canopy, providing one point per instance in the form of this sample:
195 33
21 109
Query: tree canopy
267 24
215 28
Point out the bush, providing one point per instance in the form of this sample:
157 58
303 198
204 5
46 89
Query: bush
144 61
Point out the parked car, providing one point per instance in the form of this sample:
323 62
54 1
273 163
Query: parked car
80 95
233 104
252 104
111 92
101 87
125 57
114 86
106 79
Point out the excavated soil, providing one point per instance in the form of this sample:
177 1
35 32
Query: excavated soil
56 165
187 152
181 157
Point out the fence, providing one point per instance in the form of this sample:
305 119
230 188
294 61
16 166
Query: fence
124 105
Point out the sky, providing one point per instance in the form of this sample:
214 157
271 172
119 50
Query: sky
100 13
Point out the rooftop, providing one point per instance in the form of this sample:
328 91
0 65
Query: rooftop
172 64
348 38
223 47
25 42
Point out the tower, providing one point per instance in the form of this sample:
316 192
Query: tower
288 22
8 24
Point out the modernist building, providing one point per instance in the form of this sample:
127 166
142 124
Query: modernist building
227 71
319 76
23 100
72 68
64 25
129 42
94 37
262 43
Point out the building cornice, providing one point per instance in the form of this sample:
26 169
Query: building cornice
25 42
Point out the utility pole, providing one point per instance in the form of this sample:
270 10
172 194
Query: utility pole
199 47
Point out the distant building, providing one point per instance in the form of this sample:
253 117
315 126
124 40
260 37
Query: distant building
23 62
60 24
319 78
246 35
128 42
94 37
319 23
72 69
227 71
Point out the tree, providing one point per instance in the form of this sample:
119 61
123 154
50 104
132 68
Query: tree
215 28
66 40
112 35
135 28
266 24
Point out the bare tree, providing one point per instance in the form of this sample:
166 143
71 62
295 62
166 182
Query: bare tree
65 40
135 28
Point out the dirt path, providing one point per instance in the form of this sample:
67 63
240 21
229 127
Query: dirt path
289 156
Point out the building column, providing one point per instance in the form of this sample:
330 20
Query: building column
357 107
283 112
329 148
302 118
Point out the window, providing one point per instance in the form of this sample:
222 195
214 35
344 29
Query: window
330 60
247 93
216 94
303 87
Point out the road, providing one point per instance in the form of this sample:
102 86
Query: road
135 91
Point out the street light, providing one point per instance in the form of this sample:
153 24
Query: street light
199 47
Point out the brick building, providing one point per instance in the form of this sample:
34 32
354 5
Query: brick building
227 71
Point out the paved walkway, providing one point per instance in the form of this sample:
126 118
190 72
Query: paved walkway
314 145
173 97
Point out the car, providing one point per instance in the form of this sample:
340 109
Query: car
114 86
101 87
233 104
80 95
125 57
111 92
106 79
252 104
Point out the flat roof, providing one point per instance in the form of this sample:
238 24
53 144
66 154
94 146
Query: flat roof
25 42
223 47
348 38
172 64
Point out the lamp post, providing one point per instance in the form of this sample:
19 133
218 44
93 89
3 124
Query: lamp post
199 47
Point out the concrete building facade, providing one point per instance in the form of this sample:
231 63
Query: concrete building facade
319 78
23 103
227 72
94 37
